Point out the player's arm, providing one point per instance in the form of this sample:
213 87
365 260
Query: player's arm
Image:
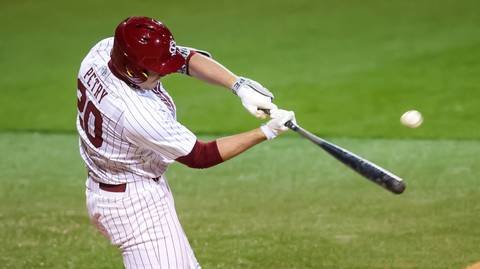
209 70
252 94
207 154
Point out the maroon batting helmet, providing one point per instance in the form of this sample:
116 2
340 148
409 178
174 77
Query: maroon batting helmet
143 44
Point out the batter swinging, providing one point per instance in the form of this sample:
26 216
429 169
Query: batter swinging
129 135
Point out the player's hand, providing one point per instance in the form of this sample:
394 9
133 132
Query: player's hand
254 96
276 125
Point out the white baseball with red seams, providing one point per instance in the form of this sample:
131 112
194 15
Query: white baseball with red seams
130 135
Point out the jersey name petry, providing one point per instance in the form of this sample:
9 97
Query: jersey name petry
126 134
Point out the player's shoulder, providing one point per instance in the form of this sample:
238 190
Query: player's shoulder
104 44
96 77
100 52
143 104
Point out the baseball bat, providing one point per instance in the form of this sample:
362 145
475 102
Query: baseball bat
360 165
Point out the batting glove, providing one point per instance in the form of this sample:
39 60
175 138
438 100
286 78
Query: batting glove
253 96
276 125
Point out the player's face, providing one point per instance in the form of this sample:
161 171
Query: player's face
151 81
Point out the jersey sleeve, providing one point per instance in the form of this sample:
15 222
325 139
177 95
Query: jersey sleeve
159 132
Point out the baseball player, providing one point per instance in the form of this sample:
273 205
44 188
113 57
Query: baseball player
129 135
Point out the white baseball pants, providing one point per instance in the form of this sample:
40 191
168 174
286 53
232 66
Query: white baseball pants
142 223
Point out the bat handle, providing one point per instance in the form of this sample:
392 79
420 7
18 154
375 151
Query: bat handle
266 111
288 124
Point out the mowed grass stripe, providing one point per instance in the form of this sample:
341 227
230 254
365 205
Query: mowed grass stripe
352 66
284 204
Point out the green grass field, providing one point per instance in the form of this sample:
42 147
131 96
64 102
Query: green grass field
296 212
349 69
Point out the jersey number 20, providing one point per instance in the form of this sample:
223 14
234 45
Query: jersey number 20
88 109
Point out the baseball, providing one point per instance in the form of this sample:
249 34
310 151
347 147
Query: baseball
411 119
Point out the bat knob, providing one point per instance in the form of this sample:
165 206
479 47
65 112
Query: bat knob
291 125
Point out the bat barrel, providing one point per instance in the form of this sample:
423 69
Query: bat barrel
366 168
360 165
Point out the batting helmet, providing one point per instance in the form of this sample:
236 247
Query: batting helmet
143 44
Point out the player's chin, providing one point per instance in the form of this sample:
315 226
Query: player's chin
148 85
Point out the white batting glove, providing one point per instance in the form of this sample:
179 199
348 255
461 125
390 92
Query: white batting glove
254 96
276 125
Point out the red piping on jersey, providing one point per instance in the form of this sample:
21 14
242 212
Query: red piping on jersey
203 155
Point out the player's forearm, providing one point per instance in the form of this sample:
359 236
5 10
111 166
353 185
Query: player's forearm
231 146
208 154
210 71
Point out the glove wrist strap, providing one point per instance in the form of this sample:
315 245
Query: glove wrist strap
239 82
268 132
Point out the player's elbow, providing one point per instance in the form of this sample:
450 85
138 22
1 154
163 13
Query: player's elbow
203 155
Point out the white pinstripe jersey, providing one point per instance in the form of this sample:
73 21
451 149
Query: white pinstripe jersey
126 134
